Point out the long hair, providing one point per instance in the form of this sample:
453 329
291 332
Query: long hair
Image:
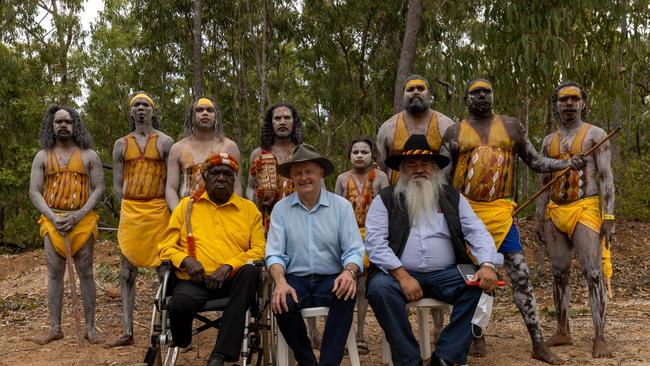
129 117
188 124
80 134
585 111
367 140
267 136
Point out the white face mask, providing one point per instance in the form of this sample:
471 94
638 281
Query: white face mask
483 313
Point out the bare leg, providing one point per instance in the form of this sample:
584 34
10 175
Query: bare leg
588 249
559 251
524 297
55 273
313 333
438 318
128 274
83 260
362 308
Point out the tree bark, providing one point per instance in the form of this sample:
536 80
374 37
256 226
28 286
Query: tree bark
197 42
409 46
618 101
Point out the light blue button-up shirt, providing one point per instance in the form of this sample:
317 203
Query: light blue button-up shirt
321 241
428 247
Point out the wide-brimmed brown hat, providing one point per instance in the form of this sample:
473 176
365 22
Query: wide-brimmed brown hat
302 153
417 146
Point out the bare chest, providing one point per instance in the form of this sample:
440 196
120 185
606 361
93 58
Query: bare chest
282 153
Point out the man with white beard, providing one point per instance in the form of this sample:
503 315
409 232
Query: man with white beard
416 234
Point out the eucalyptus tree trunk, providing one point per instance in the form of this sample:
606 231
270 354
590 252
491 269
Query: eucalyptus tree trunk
618 102
197 41
409 46
65 34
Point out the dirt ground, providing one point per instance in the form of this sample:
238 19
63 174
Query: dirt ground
23 313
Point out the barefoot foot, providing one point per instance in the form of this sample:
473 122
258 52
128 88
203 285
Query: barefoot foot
49 337
93 337
600 348
542 353
478 348
123 340
559 339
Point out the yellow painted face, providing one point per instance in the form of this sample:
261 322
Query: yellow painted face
205 101
143 96
419 84
479 84
569 91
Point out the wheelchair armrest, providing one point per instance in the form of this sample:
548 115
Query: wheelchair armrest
166 263
259 263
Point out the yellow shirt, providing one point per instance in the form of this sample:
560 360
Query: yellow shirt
230 233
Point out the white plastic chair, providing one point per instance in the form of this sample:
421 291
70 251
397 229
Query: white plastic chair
285 354
423 307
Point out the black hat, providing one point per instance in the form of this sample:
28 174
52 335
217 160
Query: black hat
417 146
304 152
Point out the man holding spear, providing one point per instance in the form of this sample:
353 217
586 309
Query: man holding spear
574 218
66 183
484 148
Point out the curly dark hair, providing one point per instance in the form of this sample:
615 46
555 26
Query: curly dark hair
583 95
267 136
129 117
188 124
80 134
367 140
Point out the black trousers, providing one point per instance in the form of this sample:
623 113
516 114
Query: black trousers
189 297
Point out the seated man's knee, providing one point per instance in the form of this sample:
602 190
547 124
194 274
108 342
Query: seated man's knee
249 271
182 304
381 287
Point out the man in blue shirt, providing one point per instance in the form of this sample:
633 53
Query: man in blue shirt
314 252
416 233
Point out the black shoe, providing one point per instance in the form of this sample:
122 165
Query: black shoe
216 360
439 361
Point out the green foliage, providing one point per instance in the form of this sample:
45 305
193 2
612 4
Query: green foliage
632 198
108 273
335 61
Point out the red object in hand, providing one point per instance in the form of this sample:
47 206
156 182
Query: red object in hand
500 283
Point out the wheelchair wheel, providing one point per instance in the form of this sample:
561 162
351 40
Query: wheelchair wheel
268 340
167 356
160 353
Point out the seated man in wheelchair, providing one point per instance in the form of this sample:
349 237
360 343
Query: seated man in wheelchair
416 233
314 253
212 238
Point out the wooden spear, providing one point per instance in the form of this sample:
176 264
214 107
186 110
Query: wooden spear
73 291
557 176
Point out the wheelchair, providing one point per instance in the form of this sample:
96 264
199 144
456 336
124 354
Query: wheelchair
257 329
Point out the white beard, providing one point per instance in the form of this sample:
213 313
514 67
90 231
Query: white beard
421 196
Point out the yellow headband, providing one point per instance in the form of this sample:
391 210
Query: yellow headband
204 101
416 82
569 91
144 96
479 84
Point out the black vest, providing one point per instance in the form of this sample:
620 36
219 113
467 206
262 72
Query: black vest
399 226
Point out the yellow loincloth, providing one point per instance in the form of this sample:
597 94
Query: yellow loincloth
77 237
496 216
585 211
142 224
